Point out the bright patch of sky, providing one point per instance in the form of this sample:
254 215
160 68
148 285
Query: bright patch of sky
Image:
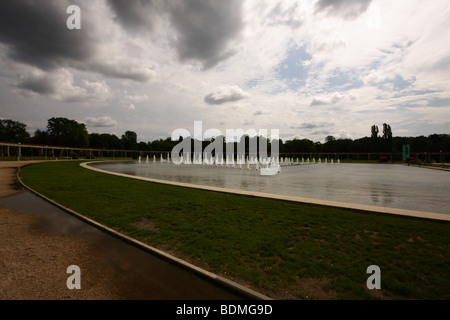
294 69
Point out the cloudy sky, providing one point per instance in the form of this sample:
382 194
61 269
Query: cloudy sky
310 68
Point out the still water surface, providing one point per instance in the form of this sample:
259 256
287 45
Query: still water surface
385 185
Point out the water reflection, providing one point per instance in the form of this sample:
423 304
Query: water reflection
395 186
380 194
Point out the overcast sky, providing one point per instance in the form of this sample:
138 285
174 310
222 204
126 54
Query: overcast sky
308 68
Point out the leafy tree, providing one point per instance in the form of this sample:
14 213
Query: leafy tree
343 145
374 132
387 138
446 143
299 145
420 144
129 140
40 137
439 142
104 141
68 133
13 131
162 144
142 146
387 132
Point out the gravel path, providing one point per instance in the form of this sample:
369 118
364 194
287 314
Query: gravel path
36 249
33 265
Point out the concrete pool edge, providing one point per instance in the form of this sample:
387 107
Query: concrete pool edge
344 205
224 282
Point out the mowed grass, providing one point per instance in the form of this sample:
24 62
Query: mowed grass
283 249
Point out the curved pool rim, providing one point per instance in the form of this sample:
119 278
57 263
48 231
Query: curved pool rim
345 205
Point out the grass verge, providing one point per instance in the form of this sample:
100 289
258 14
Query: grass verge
282 249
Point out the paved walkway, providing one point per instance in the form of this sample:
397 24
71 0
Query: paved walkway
40 241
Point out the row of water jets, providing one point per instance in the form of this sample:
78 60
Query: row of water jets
240 161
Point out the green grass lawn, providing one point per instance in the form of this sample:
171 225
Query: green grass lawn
282 249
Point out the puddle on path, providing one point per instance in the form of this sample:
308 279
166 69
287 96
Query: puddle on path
138 274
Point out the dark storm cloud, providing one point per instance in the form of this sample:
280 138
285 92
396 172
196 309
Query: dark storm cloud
36 33
134 15
40 85
204 28
347 9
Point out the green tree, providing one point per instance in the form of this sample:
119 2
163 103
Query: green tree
387 132
40 137
142 146
374 132
438 142
343 145
68 133
104 141
13 131
129 140
387 138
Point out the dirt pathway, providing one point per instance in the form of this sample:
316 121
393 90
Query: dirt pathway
38 244
33 265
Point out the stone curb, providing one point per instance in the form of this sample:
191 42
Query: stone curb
345 205
247 292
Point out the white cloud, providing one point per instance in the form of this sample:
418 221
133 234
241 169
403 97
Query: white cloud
98 89
335 98
137 98
58 85
225 94
343 134
104 121
130 107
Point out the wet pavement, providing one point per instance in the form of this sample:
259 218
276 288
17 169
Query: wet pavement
134 273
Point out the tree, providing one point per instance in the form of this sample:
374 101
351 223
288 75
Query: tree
299 145
104 141
343 145
162 145
68 133
387 137
439 142
142 146
40 137
13 131
364 144
374 132
329 145
387 132
129 140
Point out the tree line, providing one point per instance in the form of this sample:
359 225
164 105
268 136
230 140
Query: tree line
70 133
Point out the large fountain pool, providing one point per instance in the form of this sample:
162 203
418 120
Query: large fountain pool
384 185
